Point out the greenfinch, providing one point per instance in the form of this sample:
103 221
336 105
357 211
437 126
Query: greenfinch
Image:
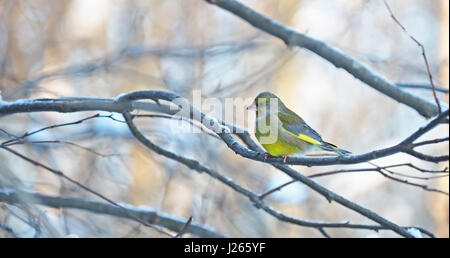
282 132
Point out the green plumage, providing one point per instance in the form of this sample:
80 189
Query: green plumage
282 132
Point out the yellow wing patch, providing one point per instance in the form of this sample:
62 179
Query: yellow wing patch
304 137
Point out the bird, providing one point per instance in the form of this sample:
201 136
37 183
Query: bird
282 132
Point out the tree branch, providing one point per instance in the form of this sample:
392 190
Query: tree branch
255 198
127 102
215 126
430 76
331 54
130 101
125 211
421 86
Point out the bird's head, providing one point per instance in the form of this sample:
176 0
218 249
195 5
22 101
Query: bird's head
264 100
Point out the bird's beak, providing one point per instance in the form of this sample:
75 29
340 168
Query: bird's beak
252 107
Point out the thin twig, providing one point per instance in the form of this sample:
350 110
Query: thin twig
56 126
147 214
445 170
8 230
197 166
263 195
324 233
82 186
430 76
179 119
129 101
65 142
184 228
434 141
333 55
421 86
377 169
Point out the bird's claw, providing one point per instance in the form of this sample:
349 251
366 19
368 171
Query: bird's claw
267 155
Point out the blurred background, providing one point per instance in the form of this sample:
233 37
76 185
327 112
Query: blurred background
54 48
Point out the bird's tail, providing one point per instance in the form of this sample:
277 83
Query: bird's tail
331 147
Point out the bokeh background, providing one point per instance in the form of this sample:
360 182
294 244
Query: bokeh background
54 48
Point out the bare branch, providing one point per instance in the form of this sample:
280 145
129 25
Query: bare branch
376 169
445 170
8 230
444 139
421 86
185 227
130 101
126 211
75 182
255 198
180 119
64 142
404 181
278 188
331 54
323 232
430 76
139 50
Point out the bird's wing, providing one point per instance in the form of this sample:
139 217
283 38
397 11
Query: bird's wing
295 126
